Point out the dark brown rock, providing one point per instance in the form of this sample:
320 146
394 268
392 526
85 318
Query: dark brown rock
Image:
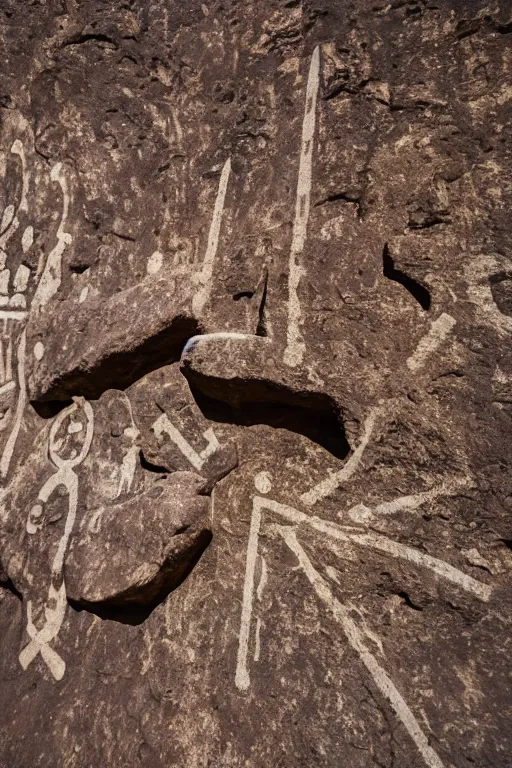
255 384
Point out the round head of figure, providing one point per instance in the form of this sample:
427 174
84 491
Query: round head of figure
71 434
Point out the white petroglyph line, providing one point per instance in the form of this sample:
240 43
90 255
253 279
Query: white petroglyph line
382 543
128 468
164 425
356 640
2 362
52 273
7 219
360 513
438 332
55 605
8 360
18 149
21 278
20 407
68 478
206 337
205 276
154 263
439 567
263 578
6 314
295 346
27 239
327 486
242 678
257 641
7 387
40 640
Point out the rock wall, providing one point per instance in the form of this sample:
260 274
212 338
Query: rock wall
255 383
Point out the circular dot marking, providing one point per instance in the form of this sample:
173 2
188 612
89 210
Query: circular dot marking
38 350
155 262
262 482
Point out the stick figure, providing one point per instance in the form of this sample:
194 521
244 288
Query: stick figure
55 605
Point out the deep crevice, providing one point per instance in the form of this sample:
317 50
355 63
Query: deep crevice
120 370
248 403
243 295
48 410
150 467
84 38
9 587
407 600
261 328
135 613
416 289
78 269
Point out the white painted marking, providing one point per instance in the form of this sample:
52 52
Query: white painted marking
34 519
27 239
263 579
52 273
204 278
40 640
17 149
164 425
55 605
7 217
21 278
334 480
155 262
242 677
20 407
7 387
338 533
438 332
356 640
5 276
130 459
7 314
18 301
38 350
257 642
263 483
360 513
207 337
295 346
438 567
83 294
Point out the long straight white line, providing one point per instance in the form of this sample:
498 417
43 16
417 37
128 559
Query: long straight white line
295 346
205 276
435 336
384 544
242 678
20 407
333 481
356 641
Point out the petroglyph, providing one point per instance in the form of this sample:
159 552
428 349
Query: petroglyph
295 346
204 278
163 425
65 457
298 523
438 332
52 273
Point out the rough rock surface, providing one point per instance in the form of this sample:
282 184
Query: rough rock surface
255 383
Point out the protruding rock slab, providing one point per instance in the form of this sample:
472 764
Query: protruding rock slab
137 551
